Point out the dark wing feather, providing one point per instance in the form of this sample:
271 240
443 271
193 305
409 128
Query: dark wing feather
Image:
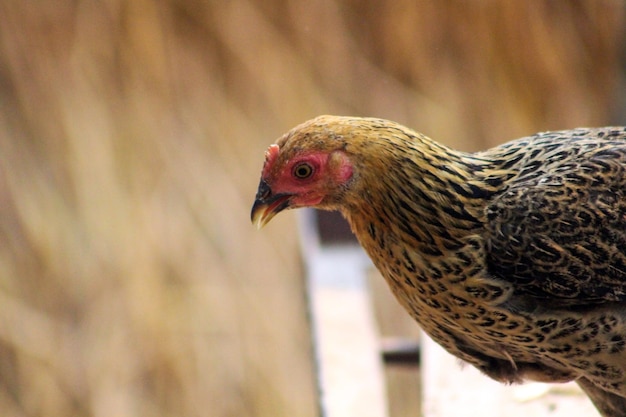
561 235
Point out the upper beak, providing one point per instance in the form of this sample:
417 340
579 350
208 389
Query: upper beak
266 205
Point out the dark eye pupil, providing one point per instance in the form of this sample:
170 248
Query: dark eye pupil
303 171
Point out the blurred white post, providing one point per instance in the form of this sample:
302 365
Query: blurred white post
349 366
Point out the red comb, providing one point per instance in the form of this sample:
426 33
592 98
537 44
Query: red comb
270 156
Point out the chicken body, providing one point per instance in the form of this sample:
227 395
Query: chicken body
513 259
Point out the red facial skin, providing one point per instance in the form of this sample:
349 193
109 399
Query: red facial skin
329 171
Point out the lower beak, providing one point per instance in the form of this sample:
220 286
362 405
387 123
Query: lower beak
266 205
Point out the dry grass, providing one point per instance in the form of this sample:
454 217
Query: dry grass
131 282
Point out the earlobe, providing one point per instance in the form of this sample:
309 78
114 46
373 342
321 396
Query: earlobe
341 166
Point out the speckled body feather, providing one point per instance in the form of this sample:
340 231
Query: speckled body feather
513 259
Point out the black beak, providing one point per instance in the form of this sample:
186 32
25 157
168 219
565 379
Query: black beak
266 205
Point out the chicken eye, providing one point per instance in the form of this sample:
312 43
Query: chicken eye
303 171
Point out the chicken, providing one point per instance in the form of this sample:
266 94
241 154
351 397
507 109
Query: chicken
513 259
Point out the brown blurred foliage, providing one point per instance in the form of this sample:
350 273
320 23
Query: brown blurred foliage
131 139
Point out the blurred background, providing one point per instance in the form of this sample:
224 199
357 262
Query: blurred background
131 141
